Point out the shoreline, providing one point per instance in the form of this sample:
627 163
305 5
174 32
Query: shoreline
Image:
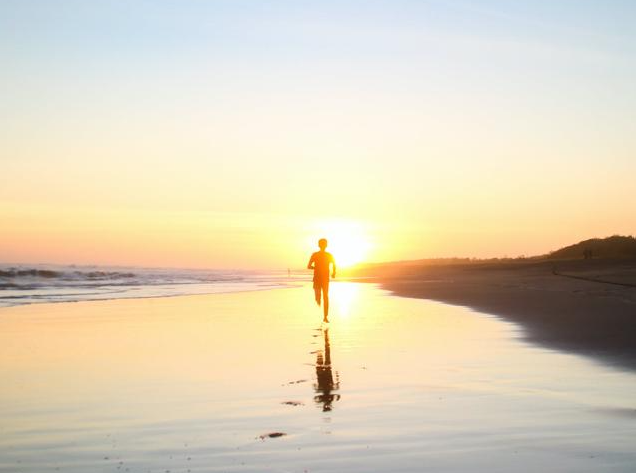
586 308
164 296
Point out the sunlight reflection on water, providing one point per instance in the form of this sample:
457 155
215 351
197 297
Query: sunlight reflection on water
344 296
198 383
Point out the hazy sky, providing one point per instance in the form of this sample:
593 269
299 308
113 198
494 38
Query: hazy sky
234 133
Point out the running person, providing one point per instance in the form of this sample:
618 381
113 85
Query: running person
320 262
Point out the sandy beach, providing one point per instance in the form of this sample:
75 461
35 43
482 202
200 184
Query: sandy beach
251 382
586 307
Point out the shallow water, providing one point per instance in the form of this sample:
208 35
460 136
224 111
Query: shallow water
197 383
36 284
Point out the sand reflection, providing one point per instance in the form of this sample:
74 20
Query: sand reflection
194 382
325 384
344 298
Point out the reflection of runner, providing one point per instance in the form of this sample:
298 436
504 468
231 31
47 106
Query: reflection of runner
320 262
325 384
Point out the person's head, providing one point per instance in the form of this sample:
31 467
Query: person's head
322 243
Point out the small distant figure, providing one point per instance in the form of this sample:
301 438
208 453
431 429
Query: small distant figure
320 262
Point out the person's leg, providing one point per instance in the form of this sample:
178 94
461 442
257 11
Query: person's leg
325 297
317 290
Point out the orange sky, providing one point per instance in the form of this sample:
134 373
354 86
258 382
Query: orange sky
215 136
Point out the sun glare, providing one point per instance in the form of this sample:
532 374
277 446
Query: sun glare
348 241
344 296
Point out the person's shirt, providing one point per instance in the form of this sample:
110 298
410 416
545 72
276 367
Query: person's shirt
321 260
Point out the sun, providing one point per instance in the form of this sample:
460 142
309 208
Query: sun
349 242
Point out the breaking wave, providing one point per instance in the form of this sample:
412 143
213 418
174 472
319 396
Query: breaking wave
53 283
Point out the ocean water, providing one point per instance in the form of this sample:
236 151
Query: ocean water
28 284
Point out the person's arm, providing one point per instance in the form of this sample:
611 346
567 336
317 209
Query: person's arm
333 273
311 263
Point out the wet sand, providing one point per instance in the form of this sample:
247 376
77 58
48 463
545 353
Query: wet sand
586 307
251 382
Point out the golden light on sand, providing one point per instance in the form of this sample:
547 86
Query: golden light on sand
344 296
349 242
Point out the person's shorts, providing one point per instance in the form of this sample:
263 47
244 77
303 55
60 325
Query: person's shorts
321 284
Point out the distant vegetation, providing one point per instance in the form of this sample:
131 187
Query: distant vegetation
596 248
611 247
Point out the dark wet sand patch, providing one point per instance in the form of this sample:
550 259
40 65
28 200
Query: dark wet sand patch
272 435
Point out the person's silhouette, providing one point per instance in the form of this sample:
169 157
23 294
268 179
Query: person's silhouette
320 262
325 384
